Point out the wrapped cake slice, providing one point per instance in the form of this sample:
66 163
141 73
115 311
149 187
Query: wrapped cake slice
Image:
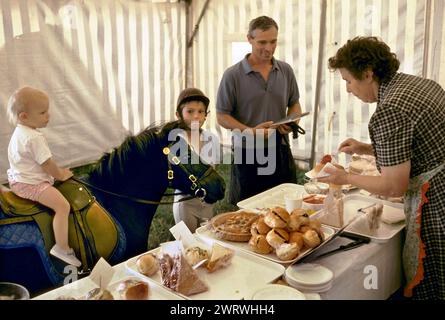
178 275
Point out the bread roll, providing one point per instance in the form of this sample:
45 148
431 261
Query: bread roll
297 237
287 251
316 226
298 217
277 237
132 289
277 217
147 265
260 227
311 239
258 243
303 229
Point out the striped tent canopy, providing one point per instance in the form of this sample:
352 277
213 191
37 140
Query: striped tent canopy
114 67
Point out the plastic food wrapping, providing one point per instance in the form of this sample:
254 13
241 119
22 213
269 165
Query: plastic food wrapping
334 208
178 275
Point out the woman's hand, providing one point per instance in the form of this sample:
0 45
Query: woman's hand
351 146
336 176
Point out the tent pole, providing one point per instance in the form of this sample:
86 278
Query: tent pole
188 50
189 47
426 42
195 30
318 83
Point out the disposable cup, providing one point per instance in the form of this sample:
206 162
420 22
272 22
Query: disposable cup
293 200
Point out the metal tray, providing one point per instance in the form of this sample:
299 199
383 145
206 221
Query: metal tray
359 227
206 234
271 198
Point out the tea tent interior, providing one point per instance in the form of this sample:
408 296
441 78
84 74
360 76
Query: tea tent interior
114 67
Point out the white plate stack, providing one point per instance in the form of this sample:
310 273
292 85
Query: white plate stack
277 292
309 278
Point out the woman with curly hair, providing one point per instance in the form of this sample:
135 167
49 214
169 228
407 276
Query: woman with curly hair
407 134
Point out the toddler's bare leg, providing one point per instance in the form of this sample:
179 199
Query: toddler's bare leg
53 199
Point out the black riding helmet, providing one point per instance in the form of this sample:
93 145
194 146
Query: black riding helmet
191 94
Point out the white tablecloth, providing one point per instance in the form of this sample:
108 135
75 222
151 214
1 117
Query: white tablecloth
348 267
353 269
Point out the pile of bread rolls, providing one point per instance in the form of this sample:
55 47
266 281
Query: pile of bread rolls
285 234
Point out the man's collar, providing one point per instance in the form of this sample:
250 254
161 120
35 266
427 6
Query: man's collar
248 68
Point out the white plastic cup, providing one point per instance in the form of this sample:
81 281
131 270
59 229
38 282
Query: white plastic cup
293 200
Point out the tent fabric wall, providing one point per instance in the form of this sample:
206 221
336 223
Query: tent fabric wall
400 23
102 64
227 21
113 67
435 63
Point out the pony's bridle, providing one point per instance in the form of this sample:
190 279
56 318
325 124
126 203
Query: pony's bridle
196 187
199 191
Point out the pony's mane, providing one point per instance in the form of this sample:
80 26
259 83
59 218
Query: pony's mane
133 144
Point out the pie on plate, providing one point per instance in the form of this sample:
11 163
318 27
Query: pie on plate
233 226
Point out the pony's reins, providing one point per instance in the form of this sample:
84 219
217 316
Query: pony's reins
134 199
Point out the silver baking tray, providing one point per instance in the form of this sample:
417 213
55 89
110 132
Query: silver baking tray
352 203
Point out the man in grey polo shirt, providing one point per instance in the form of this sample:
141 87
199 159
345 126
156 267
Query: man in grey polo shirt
252 95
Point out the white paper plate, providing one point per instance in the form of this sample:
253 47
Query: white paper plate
310 174
277 292
346 187
312 296
308 274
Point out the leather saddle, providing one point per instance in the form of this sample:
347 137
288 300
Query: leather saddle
92 232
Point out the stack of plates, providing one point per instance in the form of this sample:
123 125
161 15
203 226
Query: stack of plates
277 292
308 277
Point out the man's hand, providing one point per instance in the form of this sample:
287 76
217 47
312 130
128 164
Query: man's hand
265 129
284 129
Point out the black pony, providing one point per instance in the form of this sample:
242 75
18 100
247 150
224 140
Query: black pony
142 167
